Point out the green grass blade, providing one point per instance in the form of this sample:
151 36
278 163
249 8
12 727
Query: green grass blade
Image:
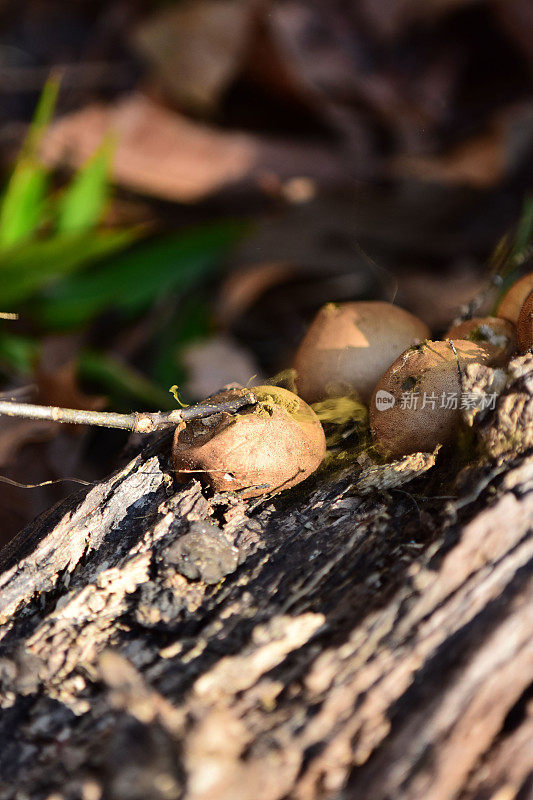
23 203
22 206
42 116
137 278
82 204
26 269
524 231
511 252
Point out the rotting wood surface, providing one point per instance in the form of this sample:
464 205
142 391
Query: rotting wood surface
365 635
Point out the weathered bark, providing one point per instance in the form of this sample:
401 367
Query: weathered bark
348 638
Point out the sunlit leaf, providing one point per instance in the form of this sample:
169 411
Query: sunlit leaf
83 202
22 206
42 117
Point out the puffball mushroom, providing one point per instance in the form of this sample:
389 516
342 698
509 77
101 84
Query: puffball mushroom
497 336
515 298
525 325
430 373
349 345
272 445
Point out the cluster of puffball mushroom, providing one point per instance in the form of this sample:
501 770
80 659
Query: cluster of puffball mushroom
266 438
366 350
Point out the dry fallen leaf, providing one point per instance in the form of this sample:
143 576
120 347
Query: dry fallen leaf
482 161
196 48
479 162
320 54
243 287
159 151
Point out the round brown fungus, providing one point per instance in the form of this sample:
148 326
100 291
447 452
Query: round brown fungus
349 345
514 299
416 403
525 325
269 446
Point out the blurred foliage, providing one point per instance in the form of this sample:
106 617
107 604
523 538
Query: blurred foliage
61 269
136 278
23 204
511 252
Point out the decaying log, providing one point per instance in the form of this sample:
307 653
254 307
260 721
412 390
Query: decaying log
368 634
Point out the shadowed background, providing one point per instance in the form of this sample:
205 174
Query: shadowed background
204 174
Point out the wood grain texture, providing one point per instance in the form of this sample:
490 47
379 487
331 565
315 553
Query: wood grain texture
373 637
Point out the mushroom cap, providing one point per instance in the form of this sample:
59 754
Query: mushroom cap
525 325
515 297
429 372
495 334
349 345
273 445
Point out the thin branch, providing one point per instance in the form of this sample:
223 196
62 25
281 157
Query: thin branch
139 422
